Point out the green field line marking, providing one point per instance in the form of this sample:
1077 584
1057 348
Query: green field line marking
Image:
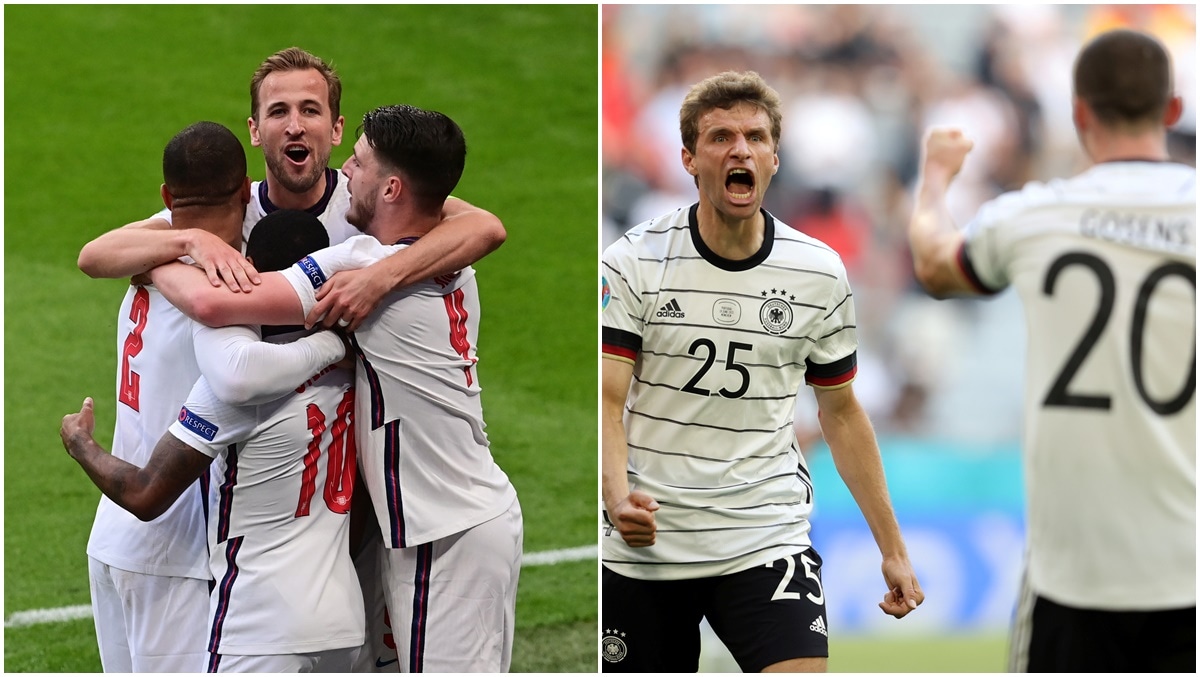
62 614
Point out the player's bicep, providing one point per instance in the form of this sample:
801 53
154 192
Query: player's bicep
616 377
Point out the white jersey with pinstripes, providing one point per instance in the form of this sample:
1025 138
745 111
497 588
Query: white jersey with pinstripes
282 481
425 456
720 349
1105 265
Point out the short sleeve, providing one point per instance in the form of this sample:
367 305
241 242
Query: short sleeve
208 425
621 303
833 361
312 271
983 258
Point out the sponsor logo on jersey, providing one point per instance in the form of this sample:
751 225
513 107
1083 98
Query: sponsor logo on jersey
727 311
312 271
380 663
612 647
605 293
819 626
671 309
197 424
776 313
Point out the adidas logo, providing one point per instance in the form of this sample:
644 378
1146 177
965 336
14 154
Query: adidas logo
819 626
671 309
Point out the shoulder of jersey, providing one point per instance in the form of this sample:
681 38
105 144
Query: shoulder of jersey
651 234
791 242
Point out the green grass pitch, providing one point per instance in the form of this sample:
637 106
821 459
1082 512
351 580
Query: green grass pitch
92 93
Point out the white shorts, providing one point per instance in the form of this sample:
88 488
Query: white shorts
333 660
379 650
147 623
453 601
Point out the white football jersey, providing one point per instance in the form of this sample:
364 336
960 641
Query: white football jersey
1105 265
156 368
330 209
282 481
720 349
425 455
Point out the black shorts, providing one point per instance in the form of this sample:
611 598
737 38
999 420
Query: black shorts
1066 639
763 615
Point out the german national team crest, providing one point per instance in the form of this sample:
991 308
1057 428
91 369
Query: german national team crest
612 647
776 313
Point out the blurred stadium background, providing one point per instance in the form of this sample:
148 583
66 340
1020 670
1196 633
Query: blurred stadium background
93 93
942 381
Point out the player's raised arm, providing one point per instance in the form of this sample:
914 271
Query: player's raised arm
855 453
273 302
631 512
932 235
465 235
144 492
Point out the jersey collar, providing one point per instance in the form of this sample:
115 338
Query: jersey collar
331 181
729 264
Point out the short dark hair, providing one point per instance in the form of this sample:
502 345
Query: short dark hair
283 237
425 146
1124 77
296 59
203 165
724 91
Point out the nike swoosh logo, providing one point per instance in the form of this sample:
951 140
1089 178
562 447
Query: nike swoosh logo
380 663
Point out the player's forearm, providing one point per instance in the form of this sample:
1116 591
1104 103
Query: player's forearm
856 455
187 288
242 370
464 236
123 482
932 235
133 249
614 462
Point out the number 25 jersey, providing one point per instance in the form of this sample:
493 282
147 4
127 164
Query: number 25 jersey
719 350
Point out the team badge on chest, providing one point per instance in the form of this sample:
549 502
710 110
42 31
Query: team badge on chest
775 313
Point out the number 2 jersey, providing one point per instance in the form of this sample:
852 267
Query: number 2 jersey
423 450
1105 265
719 350
280 489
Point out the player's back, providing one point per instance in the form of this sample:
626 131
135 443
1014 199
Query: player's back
156 367
279 530
1105 267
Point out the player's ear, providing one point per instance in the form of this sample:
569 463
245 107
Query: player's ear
1080 114
689 162
1173 111
166 195
254 139
393 188
338 125
246 191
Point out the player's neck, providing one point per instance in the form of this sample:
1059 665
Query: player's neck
283 198
1105 146
728 237
392 226
224 221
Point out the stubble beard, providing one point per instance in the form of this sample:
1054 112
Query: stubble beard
278 166
360 215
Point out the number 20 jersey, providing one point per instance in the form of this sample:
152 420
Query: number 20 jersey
1105 265
719 350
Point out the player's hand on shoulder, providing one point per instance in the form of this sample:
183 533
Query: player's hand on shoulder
223 264
944 151
77 428
904 592
634 519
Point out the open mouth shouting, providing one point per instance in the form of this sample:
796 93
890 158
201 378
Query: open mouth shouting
296 153
739 185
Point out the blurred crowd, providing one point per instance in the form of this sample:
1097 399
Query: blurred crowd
860 84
